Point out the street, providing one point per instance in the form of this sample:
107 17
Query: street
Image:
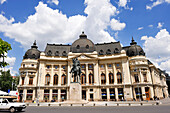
120 109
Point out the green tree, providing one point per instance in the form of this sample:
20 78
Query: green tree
5 80
4 48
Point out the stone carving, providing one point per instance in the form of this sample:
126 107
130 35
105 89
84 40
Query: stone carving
76 70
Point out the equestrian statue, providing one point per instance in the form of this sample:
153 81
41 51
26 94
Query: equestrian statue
76 70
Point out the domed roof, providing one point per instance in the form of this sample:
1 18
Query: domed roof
32 53
82 45
135 49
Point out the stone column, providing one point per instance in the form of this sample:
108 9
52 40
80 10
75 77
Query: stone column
68 94
51 94
87 75
24 94
33 94
95 70
115 75
143 93
52 76
59 76
20 80
107 76
87 94
141 76
151 92
59 95
108 94
116 94
134 93
68 74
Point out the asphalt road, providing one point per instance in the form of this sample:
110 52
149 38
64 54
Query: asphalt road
119 109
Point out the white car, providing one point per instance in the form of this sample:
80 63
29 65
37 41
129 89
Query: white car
11 106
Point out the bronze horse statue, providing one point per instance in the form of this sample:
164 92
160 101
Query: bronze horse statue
76 70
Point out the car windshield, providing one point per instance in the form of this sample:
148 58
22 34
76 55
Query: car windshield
4 101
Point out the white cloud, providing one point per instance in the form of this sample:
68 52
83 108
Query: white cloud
160 25
2 1
11 62
116 25
140 28
150 25
158 48
122 3
56 2
156 3
52 26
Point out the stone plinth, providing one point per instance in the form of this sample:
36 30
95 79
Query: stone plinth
75 92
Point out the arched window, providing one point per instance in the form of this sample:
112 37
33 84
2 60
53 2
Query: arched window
101 52
64 53
57 53
111 78
91 78
116 50
83 79
132 53
119 77
141 53
63 79
78 47
33 56
49 53
108 52
55 79
87 46
47 79
103 78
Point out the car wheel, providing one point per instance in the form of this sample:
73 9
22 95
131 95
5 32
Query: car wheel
12 110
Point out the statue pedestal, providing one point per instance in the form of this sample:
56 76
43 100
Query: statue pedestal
75 91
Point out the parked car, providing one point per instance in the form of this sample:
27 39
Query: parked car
11 106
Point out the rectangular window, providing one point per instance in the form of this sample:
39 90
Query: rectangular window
30 80
104 94
63 94
55 95
136 78
120 93
46 95
145 77
23 78
29 94
112 94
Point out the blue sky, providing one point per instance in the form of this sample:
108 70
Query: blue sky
61 21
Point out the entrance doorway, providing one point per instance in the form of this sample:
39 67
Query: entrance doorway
147 93
84 94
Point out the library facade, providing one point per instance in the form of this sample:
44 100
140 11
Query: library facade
109 72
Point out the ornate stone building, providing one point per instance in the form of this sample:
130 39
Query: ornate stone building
110 72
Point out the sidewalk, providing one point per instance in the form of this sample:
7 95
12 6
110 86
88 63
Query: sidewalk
101 103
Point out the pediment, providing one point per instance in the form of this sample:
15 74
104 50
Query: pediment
83 56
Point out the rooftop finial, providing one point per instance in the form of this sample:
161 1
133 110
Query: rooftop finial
133 41
83 35
34 45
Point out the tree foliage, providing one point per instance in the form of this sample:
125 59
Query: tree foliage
4 48
6 80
